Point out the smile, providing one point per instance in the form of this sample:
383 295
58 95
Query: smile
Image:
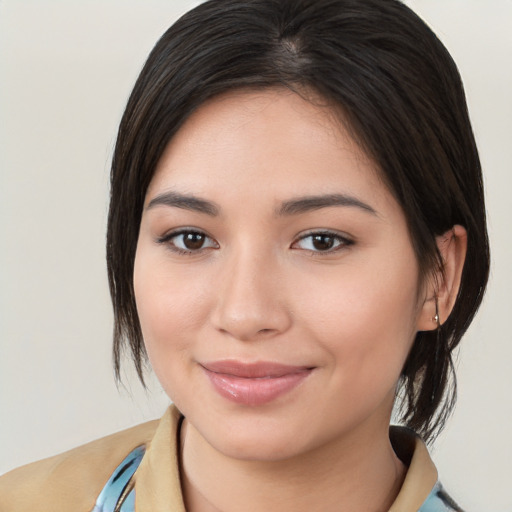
255 383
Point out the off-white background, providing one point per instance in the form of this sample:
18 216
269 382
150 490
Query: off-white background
66 69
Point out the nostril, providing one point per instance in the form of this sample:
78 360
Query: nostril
264 333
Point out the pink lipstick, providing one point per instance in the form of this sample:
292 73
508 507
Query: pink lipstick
254 383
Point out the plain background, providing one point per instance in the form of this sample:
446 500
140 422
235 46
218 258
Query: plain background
66 69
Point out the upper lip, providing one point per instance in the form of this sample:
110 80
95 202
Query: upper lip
255 370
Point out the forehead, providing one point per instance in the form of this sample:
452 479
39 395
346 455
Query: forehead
275 138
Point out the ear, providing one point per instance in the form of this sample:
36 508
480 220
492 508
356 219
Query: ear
444 284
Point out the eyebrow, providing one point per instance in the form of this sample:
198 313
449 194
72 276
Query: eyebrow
310 203
292 207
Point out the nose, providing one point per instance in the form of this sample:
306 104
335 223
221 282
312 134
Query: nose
251 303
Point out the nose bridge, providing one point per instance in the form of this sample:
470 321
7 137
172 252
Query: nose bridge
251 301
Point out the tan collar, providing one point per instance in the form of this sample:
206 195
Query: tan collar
158 485
157 480
421 474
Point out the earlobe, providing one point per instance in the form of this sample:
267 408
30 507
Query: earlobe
443 286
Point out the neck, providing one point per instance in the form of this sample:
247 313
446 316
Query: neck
359 472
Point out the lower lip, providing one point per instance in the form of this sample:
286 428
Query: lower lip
255 391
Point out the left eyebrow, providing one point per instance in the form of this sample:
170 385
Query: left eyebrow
309 203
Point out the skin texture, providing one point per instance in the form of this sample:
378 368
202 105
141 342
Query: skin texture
258 289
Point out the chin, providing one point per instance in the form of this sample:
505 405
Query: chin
257 437
258 448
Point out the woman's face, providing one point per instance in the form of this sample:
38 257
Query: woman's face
276 284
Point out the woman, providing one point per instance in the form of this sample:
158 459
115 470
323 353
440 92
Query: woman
296 235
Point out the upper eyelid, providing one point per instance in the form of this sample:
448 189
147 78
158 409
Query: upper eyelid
330 232
302 234
180 231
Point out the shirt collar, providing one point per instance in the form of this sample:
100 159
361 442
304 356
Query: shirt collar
421 474
158 486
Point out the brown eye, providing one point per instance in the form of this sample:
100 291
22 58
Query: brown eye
188 241
323 242
193 241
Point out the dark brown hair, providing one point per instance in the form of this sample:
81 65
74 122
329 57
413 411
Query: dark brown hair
400 94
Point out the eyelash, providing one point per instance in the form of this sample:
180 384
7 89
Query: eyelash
342 241
167 240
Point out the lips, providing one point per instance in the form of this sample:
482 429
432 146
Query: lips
254 383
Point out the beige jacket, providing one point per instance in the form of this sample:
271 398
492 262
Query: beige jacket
71 482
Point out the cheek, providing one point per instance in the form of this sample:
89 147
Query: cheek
364 316
170 305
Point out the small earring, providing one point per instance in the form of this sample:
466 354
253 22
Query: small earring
436 318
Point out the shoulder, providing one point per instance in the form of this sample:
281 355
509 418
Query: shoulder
73 479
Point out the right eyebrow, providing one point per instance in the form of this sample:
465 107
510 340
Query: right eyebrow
184 201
